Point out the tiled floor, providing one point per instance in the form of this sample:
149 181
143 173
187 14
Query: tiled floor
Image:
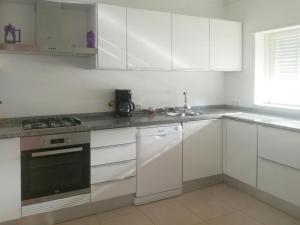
216 205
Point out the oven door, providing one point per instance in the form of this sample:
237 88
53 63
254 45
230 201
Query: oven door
53 173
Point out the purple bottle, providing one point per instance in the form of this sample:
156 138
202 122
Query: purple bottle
10 34
91 39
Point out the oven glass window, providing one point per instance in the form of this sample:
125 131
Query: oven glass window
49 172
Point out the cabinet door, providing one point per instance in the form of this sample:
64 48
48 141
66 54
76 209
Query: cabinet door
202 149
112 37
148 40
279 180
240 152
10 195
48 31
225 45
190 43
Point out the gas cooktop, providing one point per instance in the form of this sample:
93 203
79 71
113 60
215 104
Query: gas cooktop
51 122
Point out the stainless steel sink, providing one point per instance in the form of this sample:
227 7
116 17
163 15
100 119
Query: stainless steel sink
184 114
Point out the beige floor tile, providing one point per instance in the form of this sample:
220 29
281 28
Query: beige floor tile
169 212
117 212
89 220
205 205
270 216
235 218
233 197
136 218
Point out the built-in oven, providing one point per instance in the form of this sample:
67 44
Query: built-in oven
55 166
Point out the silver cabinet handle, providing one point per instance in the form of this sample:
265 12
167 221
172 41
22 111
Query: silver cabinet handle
56 152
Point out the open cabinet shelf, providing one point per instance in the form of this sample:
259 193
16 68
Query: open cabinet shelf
49 28
36 50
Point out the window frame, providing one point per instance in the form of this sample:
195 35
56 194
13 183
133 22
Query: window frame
263 67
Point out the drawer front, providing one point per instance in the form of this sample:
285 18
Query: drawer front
113 189
112 172
280 181
113 154
280 146
102 138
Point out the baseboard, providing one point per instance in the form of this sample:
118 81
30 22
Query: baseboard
72 213
264 197
194 185
157 197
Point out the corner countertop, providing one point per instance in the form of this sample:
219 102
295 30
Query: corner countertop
10 128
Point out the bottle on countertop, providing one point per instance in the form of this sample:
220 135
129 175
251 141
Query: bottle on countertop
91 39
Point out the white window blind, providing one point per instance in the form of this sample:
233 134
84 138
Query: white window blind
282 81
285 56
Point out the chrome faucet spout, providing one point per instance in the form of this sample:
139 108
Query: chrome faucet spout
185 107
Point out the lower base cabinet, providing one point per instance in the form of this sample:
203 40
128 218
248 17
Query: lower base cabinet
279 163
279 180
240 151
113 189
10 177
202 149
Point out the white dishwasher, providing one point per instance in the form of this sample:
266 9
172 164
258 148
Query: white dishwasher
159 163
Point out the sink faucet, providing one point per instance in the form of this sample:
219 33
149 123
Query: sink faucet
186 106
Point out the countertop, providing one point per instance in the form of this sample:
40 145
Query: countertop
10 128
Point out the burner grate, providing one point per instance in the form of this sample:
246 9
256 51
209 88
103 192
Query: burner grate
50 122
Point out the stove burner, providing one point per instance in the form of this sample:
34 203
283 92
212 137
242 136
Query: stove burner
51 122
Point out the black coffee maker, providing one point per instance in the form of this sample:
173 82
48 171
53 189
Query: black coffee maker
124 105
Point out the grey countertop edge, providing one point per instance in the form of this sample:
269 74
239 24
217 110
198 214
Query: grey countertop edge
141 119
267 124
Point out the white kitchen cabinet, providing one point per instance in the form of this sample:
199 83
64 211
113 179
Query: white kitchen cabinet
112 154
47 23
240 151
111 37
113 163
225 45
10 176
279 163
111 137
280 146
113 189
148 40
190 44
202 149
112 172
279 180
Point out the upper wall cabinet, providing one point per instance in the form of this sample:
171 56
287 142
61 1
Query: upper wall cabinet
148 40
111 37
190 43
225 45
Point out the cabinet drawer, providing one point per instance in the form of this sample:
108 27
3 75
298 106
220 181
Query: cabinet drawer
102 138
111 172
280 181
113 189
279 146
112 154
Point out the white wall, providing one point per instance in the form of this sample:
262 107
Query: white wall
257 15
46 85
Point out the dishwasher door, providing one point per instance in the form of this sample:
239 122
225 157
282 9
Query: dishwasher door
159 163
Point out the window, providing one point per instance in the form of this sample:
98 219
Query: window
278 68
